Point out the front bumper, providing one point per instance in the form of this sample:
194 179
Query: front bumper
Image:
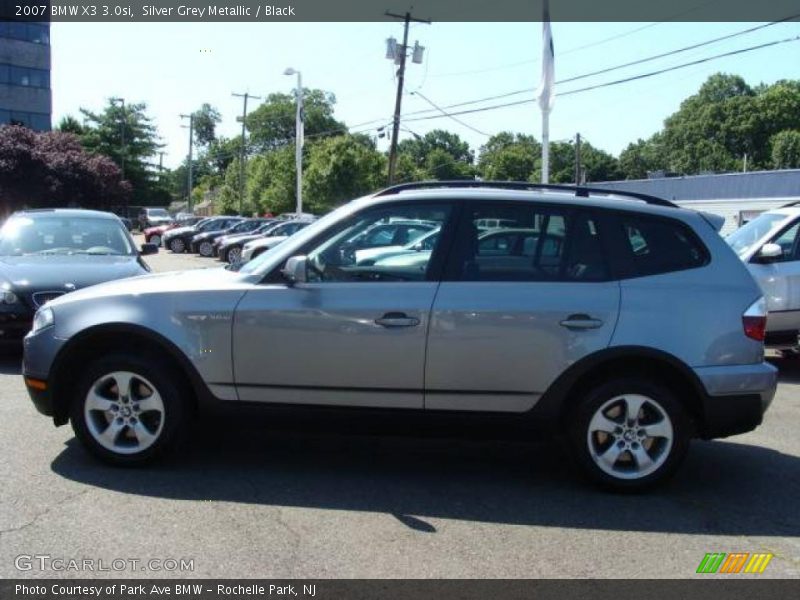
737 396
39 354
14 326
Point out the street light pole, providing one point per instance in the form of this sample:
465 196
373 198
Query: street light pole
298 143
191 139
123 149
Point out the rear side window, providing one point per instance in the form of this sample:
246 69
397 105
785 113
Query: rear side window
652 246
528 242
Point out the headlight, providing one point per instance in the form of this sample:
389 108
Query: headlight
42 319
10 297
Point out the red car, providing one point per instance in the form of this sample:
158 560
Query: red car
152 235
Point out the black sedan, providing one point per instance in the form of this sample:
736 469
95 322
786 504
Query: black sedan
203 243
47 253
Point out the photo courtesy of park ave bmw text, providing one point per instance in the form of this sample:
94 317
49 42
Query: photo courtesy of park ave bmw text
378 298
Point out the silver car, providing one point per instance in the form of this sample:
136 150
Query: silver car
770 246
624 323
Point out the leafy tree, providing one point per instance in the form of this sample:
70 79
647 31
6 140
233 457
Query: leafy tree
786 149
70 124
509 157
642 156
340 169
52 169
103 134
457 163
272 125
205 123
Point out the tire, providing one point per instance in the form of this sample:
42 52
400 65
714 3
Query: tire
205 249
233 254
177 245
155 239
136 427
629 434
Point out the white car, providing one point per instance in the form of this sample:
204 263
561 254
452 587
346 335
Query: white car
276 235
770 247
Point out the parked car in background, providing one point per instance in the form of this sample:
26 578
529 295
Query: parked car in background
152 217
178 240
581 337
153 235
127 222
228 248
418 245
203 243
770 246
275 236
387 236
47 253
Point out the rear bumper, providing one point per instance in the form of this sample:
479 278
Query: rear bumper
737 396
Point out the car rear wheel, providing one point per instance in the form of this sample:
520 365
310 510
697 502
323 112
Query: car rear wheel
155 239
234 254
205 249
177 245
629 434
128 410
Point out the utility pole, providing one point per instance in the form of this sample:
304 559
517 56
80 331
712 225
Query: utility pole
191 140
299 134
242 152
407 18
577 159
124 148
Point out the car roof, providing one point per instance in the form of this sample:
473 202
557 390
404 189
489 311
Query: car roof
66 212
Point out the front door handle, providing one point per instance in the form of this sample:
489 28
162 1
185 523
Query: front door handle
581 321
397 319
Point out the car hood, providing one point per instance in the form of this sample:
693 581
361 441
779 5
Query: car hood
238 238
258 243
62 272
180 230
177 282
158 229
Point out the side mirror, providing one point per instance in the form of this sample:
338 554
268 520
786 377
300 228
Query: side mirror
296 269
769 252
417 247
148 249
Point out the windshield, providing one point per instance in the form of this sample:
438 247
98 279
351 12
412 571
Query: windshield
45 235
157 212
744 238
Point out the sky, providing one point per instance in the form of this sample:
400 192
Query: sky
176 67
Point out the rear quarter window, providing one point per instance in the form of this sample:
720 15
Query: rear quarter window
652 246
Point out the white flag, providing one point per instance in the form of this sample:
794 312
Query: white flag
546 95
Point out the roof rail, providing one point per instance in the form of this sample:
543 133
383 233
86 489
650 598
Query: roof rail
795 203
579 191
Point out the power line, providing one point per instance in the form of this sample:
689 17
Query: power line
441 110
610 83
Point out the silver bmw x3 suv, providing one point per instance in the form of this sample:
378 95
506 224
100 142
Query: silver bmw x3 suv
620 321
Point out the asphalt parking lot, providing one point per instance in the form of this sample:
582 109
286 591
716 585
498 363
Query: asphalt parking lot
244 500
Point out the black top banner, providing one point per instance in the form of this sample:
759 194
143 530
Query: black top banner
153 11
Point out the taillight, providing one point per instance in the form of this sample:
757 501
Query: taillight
754 320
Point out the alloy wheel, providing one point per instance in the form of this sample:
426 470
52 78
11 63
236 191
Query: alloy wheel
234 254
177 246
155 239
630 436
205 249
124 412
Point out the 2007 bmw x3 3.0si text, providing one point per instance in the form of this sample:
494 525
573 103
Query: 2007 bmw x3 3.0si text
625 323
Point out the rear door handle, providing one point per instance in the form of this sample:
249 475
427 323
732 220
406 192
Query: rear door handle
581 321
397 319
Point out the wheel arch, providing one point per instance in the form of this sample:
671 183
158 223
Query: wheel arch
562 396
101 339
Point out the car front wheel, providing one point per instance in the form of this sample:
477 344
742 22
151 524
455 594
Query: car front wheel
206 249
127 410
177 245
629 434
234 254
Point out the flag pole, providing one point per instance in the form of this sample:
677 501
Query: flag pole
546 88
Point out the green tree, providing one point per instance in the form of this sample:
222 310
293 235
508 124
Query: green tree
786 149
509 157
70 124
453 155
340 169
103 134
272 125
642 156
205 123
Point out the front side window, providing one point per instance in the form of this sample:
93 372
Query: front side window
527 242
345 255
743 239
789 241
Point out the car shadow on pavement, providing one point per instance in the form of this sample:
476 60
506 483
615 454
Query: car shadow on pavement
724 488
